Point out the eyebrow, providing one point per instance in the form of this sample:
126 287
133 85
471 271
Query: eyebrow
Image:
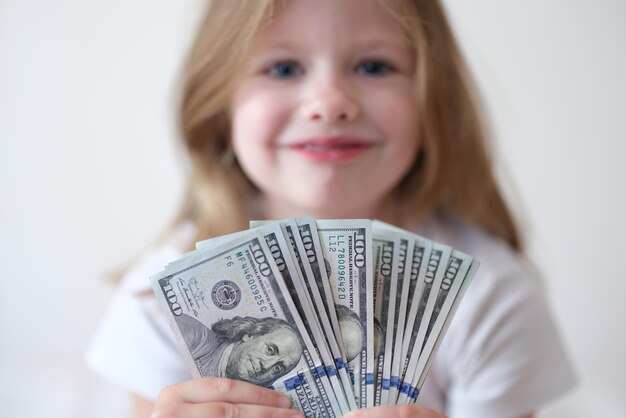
373 43
382 43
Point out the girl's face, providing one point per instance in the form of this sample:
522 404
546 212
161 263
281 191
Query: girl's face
324 120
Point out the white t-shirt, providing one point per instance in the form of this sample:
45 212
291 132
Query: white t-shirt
501 356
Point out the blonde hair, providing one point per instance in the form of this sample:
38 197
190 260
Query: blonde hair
452 174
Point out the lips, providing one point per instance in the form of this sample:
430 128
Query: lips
329 149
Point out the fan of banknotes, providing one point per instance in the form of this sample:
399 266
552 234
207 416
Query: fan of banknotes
335 314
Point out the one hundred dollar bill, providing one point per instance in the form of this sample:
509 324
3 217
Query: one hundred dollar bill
277 234
313 251
424 297
233 317
459 273
420 256
346 246
282 252
385 250
311 292
407 244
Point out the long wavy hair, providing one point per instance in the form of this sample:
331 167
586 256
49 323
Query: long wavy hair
452 174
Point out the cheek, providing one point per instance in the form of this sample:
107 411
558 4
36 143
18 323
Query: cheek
258 119
397 115
400 120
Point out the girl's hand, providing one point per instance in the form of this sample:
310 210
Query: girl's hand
398 411
219 397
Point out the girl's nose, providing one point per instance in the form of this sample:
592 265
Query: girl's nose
330 104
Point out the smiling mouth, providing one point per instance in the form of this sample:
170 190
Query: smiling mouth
327 147
331 149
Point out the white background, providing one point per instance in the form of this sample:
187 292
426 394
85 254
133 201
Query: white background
90 174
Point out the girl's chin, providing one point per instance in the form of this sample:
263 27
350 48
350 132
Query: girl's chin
321 200
323 208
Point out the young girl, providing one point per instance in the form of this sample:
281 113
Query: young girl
341 109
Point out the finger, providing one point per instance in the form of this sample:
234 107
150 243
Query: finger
215 389
399 411
222 410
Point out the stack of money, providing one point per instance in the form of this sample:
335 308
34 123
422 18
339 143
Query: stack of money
335 314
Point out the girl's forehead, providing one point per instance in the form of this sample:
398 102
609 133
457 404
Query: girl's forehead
296 23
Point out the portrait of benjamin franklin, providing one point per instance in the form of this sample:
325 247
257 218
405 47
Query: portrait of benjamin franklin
255 350
351 331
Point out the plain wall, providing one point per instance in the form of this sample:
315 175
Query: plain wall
90 175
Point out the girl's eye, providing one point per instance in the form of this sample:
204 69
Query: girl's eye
375 68
284 69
